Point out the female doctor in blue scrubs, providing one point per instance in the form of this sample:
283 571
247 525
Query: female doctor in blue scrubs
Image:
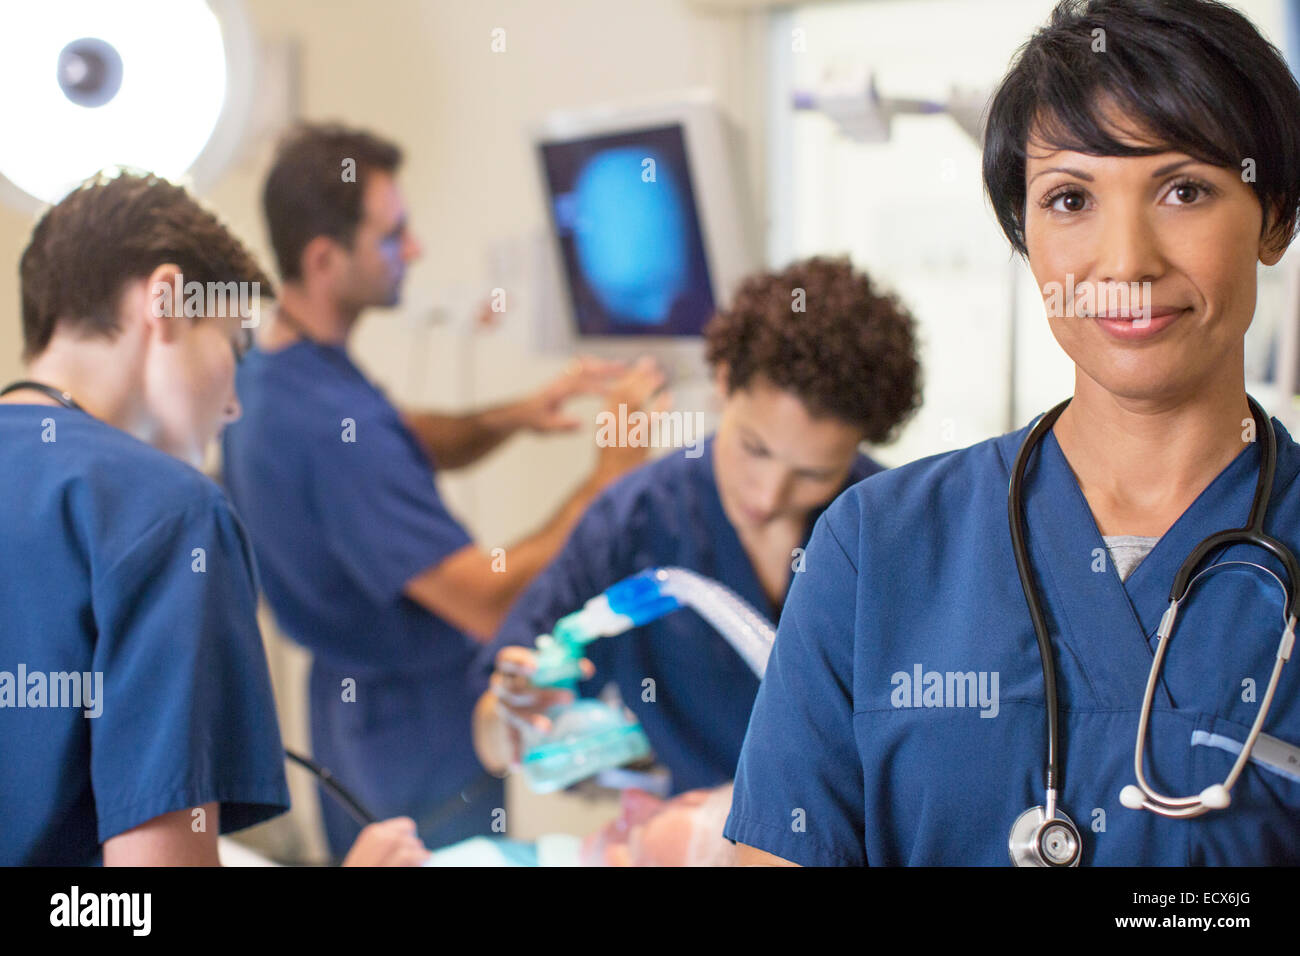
803 388
903 718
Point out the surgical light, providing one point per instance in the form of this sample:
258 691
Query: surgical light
157 85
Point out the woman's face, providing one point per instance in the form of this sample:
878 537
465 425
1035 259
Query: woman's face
773 461
1160 253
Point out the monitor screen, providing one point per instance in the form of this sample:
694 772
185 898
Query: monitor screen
624 211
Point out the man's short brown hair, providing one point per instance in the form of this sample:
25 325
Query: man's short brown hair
827 335
315 187
116 227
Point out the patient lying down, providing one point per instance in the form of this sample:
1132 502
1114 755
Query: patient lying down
683 831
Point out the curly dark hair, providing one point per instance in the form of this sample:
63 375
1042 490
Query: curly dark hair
849 353
118 226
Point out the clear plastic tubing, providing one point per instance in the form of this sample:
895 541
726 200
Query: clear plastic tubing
650 595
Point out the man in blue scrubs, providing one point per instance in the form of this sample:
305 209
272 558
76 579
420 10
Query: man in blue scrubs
902 719
360 559
801 390
122 564
136 718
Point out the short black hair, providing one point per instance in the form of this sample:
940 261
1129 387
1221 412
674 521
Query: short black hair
307 194
118 226
1196 76
849 353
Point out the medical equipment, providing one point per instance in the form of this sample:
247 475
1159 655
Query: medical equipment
856 107
1045 835
426 822
641 263
97 76
588 736
63 398
356 810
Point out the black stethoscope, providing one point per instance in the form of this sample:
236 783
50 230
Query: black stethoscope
1045 835
63 398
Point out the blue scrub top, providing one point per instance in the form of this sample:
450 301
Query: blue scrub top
850 759
340 502
127 565
665 513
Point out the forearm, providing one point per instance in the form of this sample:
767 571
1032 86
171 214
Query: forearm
168 840
474 589
752 856
527 558
454 441
512 572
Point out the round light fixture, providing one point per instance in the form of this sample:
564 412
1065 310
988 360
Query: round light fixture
157 85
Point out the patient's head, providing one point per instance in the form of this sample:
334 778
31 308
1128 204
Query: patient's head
683 831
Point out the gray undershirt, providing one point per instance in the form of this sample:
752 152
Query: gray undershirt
1127 551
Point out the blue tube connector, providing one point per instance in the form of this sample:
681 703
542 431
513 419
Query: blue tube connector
588 736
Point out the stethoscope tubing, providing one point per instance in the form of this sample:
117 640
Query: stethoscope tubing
1015 514
60 396
1252 533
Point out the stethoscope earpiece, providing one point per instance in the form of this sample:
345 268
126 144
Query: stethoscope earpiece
1216 796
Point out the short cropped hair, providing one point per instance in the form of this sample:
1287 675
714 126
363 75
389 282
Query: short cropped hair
315 187
826 334
116 227
1193 75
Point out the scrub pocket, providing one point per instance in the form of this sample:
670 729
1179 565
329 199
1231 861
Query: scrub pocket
1259 827
1269 755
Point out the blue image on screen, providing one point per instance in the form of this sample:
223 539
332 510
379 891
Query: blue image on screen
625 214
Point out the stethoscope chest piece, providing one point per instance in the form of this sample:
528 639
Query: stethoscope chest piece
1045 836
1038 841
